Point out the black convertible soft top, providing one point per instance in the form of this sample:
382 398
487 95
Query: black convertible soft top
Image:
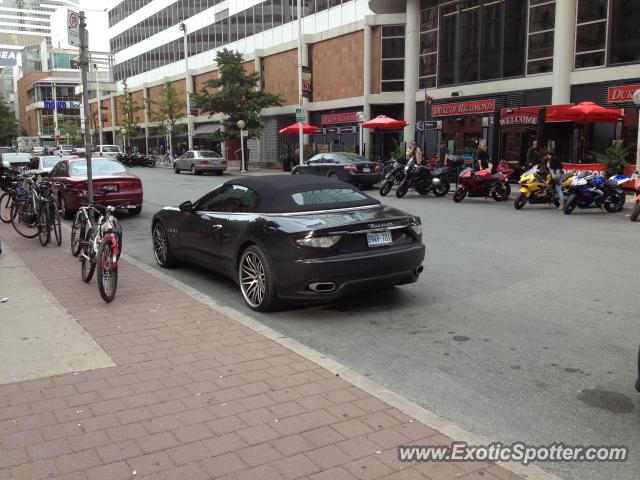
276 192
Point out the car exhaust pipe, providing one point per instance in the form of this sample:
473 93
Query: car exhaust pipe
419 270
322 287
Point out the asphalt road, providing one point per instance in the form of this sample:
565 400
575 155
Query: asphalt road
523 326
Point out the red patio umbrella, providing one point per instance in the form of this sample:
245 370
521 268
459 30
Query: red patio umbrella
295 129
590 112
382 122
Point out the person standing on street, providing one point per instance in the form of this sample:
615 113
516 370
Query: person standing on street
554 166
482 157
443 154
414 152
533 156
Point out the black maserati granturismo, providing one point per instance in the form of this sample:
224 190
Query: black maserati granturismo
292 238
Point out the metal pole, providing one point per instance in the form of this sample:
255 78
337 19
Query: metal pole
84 64
99 105
300 99
56 131
183 27
243 169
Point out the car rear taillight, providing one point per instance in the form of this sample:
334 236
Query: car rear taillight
136 184
319 242
223 162
351 168
81 186
376 168
204 162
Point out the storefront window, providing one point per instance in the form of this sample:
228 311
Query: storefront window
541 36
591 33
428 46
392 61
481 40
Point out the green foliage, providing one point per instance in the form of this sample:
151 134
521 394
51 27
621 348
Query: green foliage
128 108
72 129
170 106
9 127
237 97
616 158
399 153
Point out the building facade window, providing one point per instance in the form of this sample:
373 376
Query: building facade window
428 43
481 40
607 33
392 59
541 28
226 29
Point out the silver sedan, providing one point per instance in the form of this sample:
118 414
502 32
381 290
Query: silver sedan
199 161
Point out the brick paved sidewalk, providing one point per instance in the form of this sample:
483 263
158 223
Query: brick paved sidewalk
194 395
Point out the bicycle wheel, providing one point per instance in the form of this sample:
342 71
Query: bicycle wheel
23 218
77 233
6 200
87 260
56 222
107 271
44 225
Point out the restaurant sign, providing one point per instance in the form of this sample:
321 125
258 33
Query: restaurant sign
334 118
621 94
519 116
463 108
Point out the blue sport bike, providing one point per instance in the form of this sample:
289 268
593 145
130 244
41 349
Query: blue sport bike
593 191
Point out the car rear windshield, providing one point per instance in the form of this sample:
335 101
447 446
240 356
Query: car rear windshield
98 166
110 148
48 162
327 196
353 157
207 154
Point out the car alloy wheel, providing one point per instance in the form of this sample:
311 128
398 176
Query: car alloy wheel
255 279
252 279
161 248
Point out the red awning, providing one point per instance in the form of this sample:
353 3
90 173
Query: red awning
583 112
295 129
382 122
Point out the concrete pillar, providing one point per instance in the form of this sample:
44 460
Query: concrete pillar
305 101
563 51
411 64
366 108
145 94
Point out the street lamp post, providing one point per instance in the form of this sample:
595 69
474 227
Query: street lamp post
123 132
183 28
300 95
360 116
241 126
99 98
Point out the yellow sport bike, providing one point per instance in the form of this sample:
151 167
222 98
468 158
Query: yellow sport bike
536 187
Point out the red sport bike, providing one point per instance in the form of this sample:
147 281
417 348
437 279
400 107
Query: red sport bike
481 183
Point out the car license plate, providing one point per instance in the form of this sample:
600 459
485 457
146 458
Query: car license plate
379 239
366 170
110 188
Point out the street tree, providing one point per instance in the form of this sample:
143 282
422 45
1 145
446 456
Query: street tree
169 109
70 130
237 96
129 109
9 127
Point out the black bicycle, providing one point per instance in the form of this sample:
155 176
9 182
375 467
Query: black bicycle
34 211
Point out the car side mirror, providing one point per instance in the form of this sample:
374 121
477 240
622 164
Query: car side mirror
186 207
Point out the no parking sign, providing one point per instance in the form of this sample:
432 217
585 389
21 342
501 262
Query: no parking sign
73 28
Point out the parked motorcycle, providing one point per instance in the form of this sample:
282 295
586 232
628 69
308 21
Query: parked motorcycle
135 160
537 187
394 175
424 180
481 183
590 191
